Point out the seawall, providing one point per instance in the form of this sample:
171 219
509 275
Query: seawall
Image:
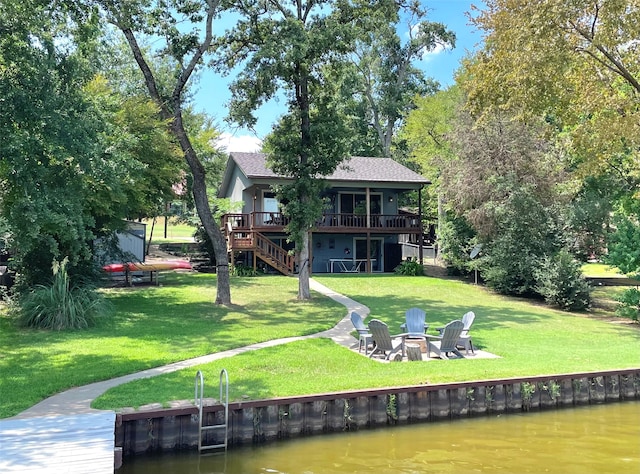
261 421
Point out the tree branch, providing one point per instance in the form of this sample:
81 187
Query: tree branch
146 71
212 5
615 65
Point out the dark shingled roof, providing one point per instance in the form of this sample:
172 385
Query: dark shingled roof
356 168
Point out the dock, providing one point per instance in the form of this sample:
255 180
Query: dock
74 444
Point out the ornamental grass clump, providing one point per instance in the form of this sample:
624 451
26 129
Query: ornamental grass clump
60 306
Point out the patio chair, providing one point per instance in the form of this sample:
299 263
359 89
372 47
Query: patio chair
364 335
465 338
384 343
414 317
414 324
447 343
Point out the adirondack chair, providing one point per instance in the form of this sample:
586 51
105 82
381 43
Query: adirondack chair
383 343
414 324
363 332
465 338
447 343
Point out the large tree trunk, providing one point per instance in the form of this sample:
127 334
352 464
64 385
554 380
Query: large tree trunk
304 292
174 113
302 98
223 294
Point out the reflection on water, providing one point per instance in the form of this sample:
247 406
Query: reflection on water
591 439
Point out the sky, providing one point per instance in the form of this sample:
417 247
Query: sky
213 93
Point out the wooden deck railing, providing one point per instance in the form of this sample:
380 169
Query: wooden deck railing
276 221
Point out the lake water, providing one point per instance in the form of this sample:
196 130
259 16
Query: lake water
590 439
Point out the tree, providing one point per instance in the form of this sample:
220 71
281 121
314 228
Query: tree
576 62
287 46
170 21
143 155
386 80
511 186
48 154
624 251
427 132
492 161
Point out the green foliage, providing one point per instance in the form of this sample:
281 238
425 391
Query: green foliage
455 242
624 250
383 82
145 332
145 162
48 151
575 60
301 198
560 281
242 270
409 268
60 306
428 126
526 233
589 216
80 154
629 304
204 243
187 47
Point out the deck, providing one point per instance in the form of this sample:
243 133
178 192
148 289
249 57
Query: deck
82 444
328 223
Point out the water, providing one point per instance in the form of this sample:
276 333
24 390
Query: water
590 439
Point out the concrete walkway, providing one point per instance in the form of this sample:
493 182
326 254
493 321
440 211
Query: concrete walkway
78 400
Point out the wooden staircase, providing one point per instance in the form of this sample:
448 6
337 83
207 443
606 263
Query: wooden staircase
263 248
273 255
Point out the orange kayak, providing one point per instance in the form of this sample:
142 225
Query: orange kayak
148 267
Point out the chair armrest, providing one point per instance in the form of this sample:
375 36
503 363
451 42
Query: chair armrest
403 326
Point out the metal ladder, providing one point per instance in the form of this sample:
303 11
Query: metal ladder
224 400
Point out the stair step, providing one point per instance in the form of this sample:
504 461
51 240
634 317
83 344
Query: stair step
213 427
213 446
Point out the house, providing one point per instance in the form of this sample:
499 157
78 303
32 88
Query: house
360 229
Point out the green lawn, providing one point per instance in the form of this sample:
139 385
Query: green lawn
153 326
530 339
175 231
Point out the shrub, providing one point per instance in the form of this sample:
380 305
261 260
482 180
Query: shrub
243 270
526 233
560 281
629 304
624 251
60 306
409 268
454 241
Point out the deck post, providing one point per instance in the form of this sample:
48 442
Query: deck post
420 242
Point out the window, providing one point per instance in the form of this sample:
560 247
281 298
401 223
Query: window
270 202
356 203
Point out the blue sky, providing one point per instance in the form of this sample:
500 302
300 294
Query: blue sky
213 92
